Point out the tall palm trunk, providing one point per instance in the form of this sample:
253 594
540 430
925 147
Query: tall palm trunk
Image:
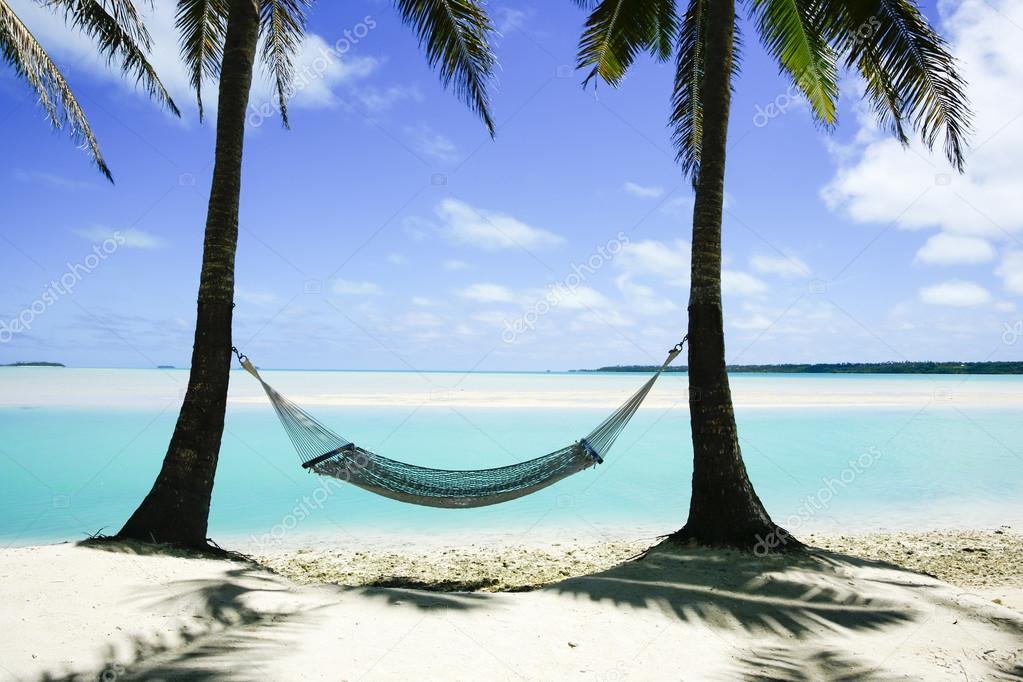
177 508
724 509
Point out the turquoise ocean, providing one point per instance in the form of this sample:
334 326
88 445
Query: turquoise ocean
827 453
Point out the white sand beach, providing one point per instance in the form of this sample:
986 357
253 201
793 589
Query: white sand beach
137 389
123 613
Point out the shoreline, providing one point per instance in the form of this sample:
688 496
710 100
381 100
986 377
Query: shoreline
968 558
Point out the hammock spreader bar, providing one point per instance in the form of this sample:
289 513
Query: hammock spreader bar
328 454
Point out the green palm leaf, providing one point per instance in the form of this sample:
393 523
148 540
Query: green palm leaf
791 31
616 30
911 76
662 44
23 52
202 25
687 97
455 35
118 34
282 23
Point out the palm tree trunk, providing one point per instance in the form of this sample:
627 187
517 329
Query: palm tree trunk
176 510
724 508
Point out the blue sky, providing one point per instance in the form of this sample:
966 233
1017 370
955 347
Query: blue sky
386 231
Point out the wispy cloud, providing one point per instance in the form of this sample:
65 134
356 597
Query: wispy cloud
643 191
956 293
486 292
433 144
1011 272
951 249
489 230
787 266
132 239
668 262
738 283
345 287
454 264
51 180
376 100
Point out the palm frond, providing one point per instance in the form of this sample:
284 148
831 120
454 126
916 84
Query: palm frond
911 76
22 51
456 37
282 23
687 97
118 34
202 25
615 32
662 45
791 31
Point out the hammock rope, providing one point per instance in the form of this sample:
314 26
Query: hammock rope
328 454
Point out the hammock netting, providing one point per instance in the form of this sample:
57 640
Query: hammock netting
328 454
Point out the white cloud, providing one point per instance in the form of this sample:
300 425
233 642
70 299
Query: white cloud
397 258
423 301
643 191
486 292
422 320
951 249
510 19
915 189
378 100
418 229
787 266
957 293
132 239
454 264
43 178
464 224
344 287
433 144
579 298
736 283
678 206
668 262
259 298
644 300
318 73
1011 272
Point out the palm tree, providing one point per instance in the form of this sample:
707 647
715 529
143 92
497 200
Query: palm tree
912 82
118 32
219 40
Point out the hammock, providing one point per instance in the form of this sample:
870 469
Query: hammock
328 454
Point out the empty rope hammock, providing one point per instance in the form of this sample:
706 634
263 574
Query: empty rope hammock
328 454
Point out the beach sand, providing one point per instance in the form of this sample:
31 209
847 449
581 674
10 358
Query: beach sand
844 611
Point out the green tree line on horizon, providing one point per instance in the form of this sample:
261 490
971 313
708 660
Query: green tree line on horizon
890 367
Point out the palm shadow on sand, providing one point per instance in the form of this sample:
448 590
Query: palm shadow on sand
784 594
794 596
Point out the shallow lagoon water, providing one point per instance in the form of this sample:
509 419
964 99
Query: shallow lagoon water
826 453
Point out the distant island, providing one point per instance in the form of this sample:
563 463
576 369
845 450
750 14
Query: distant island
34 364
848 368
166 367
